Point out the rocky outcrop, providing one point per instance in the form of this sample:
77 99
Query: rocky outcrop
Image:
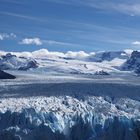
133 63
30 64
101 73
5 75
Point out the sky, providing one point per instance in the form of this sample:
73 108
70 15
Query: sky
69 25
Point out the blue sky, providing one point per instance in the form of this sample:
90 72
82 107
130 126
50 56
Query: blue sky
63 25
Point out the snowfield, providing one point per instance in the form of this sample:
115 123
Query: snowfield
71 96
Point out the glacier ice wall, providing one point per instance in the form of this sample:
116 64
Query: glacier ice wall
69 118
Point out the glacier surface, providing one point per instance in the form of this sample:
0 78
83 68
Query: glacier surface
69 118
59 96
71 109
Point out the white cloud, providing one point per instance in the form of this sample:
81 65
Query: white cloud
4 36
44 53
40 53
136 43
1 37
129 7
53 42
74 55
31 41
77 55
2 52
37 41
19 15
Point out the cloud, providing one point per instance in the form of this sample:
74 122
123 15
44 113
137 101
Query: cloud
77 55
80 55
37 41
4 36
53 42
44 53
131 8
136 43
31 41
12 2
18 15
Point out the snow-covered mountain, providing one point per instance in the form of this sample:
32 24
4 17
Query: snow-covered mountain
108 56
12 62
133 63
70 62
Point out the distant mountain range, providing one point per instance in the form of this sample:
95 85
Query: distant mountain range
72 62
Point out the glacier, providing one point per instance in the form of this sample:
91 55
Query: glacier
78 110
63 96
69 118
